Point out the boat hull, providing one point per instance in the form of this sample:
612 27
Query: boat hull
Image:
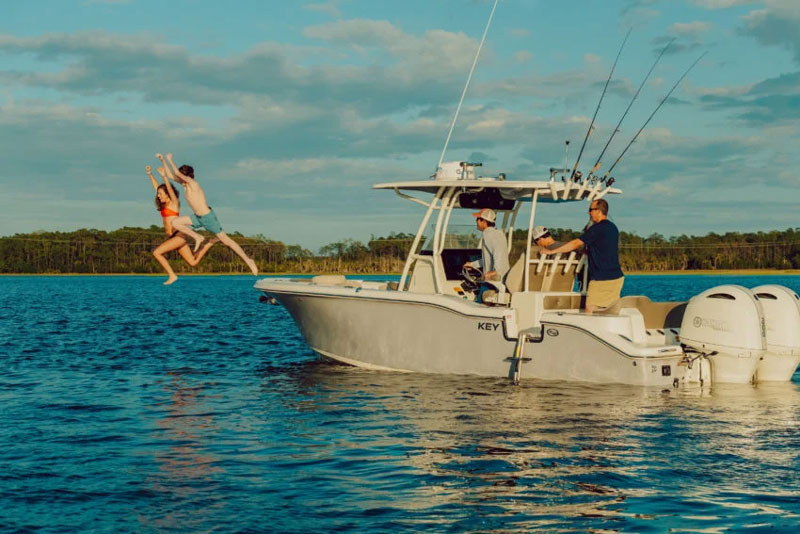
401 331
402 336
571 353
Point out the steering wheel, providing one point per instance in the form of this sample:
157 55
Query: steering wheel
471 274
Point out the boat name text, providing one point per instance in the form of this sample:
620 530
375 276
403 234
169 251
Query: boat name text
488 326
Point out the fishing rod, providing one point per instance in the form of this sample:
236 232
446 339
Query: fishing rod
564 170
469 78
616 130
696 61
602 95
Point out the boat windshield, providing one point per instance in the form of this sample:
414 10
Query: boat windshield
459 236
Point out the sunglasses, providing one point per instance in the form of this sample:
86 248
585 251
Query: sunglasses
593 209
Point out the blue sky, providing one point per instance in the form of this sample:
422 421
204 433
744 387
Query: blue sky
290 111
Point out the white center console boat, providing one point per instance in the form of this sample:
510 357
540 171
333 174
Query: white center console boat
534 325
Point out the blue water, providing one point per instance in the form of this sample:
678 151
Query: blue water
127 406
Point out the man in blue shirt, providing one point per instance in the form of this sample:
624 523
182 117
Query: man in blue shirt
602 242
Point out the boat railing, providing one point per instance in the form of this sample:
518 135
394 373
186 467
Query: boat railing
546 273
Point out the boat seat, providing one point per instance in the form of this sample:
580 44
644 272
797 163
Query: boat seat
514 275
611 309
547 273
657 315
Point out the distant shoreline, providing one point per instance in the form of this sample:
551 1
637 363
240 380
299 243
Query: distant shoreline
720 272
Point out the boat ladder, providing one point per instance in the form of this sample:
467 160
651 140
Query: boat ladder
518 358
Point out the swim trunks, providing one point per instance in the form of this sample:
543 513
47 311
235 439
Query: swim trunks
208 221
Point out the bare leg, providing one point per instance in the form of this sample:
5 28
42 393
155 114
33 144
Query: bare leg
184 226
167 246
188 257
234 246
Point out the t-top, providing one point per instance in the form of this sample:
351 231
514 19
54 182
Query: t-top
602 242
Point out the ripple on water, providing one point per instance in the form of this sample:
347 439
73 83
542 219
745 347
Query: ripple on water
128 406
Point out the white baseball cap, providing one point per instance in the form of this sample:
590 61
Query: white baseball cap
539 231
486 214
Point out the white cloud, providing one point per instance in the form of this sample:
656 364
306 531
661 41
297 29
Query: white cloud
693 29
419 67
359 102
776 24
592 59
435 53
721 4
330 8
719 91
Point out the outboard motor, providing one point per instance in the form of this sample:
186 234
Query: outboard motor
781 307
726 324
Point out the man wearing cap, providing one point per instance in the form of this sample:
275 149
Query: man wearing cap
543 238
494 262
602 242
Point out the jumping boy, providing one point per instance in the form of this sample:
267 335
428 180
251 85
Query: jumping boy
203 216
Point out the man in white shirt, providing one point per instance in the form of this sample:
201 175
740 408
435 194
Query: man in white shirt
494 262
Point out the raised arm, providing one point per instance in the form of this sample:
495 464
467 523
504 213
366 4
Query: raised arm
149 170
167 176
182 177
166 168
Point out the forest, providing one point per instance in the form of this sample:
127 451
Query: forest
129 250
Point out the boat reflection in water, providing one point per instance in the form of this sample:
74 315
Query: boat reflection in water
476 453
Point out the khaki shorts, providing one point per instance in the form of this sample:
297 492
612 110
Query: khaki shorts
603 293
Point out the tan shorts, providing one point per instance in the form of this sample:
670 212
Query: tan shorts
604 292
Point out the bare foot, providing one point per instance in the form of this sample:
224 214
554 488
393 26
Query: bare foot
171 280
252 264
197 243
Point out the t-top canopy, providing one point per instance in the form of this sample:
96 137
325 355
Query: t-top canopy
510 189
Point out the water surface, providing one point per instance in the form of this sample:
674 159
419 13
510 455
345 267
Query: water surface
132 407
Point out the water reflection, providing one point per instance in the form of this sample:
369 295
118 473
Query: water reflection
477 453
187 470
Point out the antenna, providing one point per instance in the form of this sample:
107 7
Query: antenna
602 95
469 78
616 130
696 61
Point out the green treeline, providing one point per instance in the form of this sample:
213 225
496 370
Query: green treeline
129 250
776 249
